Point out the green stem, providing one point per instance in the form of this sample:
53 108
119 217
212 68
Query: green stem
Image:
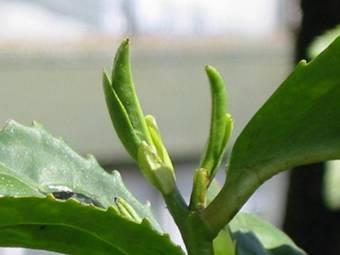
195 233
228 202
196 236
176 206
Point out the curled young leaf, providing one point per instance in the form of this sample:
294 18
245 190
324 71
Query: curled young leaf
120 119
139 134
123 104
219 124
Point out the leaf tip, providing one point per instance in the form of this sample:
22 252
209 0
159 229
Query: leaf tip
126 41
210 70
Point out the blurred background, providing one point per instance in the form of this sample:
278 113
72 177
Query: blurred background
52 54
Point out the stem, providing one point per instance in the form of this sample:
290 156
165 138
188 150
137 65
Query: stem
196 236
176 206
228 202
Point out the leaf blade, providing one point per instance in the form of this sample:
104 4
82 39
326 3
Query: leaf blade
37 156
299 124
47 223
34 164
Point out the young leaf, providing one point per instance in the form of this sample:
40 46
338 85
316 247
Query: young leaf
139 135
120 119
299 124
220 124
123 103
254 236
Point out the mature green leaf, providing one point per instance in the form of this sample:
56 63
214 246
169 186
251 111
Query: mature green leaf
74 228
299 124
30 157
254 236
33 164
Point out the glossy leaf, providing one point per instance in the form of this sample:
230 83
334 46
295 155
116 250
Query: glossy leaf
254 236
33 164
299 124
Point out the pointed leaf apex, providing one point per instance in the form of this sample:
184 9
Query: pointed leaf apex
209 69
106 77
126 42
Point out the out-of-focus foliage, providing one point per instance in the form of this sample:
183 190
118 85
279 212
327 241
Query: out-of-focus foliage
332 176
323 41
332 184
